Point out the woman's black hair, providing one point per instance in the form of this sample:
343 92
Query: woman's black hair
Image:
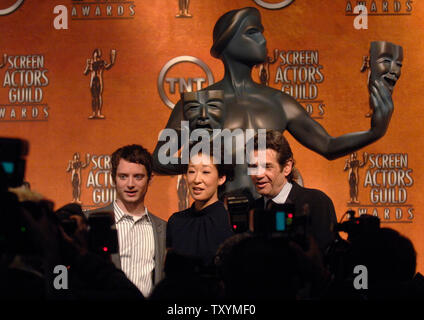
217 154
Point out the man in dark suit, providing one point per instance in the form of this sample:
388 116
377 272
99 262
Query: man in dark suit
273 178
141 234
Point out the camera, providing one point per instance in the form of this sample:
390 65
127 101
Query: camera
281 221
356 226
276 221
102 233
12 161
98 233
238 204
278 218
340 249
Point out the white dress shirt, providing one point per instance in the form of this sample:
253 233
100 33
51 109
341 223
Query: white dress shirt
136 248
281 197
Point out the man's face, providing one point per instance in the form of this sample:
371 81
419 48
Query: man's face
131 182
386 63
272 179
204 109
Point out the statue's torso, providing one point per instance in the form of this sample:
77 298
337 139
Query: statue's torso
258 107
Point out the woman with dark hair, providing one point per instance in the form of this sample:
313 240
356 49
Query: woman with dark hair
239 42
199 230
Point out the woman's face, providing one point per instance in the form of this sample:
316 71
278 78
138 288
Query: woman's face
248 44
203 179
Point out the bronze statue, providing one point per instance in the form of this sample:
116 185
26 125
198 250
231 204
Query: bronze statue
239 42
353 164
96 66
182 192
2 64
74 166
384 63
183 9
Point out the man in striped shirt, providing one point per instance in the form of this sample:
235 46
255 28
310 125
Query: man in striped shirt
141 234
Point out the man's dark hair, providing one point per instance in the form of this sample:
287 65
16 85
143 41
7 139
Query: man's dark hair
132 153
277 142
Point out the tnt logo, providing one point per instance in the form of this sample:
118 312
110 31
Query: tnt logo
273 5
182 74
11 8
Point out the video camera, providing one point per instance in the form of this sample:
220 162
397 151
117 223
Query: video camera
356 226
12 162
279 220
339 251
101 234
238 204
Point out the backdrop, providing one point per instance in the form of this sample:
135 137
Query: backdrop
160 48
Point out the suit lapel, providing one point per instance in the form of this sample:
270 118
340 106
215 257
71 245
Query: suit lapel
260 203
115 257
291 198
157 234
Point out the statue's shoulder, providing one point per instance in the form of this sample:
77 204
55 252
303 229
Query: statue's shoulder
276 94
215 86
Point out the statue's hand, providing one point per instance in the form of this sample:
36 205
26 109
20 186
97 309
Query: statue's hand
382 104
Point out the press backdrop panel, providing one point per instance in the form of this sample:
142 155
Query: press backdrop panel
54 103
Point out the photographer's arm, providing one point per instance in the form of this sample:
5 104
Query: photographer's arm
313 136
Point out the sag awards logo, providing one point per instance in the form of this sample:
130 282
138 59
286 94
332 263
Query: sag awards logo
197 76
272 5
10 9
25 78
95 67
299 73
98 183
102 10
386 183
380 7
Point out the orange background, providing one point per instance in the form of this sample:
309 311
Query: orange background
136 114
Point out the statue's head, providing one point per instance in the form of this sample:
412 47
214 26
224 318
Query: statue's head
238 34
385 63
203 109
97 53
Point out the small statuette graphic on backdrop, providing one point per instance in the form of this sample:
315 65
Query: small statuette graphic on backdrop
183 9
75 167
264 68
95 68
352 164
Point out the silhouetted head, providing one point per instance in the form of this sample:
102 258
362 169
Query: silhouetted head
389 257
